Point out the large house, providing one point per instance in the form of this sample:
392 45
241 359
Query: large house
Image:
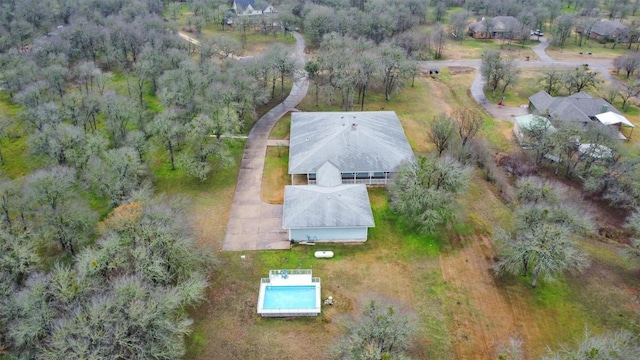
337 154
606 30
499 27
579 107
366 147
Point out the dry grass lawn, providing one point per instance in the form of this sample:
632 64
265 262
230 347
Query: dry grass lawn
472 49
275 175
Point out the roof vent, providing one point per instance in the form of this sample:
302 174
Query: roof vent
354 126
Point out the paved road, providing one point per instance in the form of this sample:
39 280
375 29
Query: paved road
254 224
544 60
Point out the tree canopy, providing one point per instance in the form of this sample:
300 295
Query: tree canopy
542 242
424 191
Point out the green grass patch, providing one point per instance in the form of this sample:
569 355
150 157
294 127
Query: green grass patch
99 204
7 107
572 48
177 182
18 163
197 340
281 128
300 257
471 48
275 175
395 232
494 131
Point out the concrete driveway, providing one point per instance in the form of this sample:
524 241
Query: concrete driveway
254 224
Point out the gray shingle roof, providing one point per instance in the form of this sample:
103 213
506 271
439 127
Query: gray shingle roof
579 107
607 27
312 206
243 4
541 100
352 141
328 175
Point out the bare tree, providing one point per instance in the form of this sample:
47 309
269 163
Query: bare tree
391 64
628 62
617 345
468 123
562 28
580 78
441 132
630 89
551 78
497 72
382 332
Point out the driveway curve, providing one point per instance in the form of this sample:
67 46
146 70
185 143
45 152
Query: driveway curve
544 60
254 224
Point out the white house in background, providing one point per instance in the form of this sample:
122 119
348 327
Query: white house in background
366 147
250 8
579 108
328 211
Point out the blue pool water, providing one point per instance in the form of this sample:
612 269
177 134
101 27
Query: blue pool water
289 297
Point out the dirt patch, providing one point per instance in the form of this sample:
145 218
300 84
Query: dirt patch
209 220
574 55
455 70
483 317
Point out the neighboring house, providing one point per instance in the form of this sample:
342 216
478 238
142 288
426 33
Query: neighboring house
328 211
499 27
579 107
249 8
530 122
366 147
606 30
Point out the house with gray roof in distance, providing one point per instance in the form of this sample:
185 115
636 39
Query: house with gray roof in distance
607 30
499 27
328 211
579 107
366 147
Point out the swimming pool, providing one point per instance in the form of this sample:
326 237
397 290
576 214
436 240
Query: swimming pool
290 297
289 293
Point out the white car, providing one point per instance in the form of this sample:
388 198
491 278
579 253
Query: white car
537 32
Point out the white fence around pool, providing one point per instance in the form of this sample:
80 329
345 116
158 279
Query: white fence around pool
290 279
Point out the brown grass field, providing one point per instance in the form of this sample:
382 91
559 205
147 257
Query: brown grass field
444 281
